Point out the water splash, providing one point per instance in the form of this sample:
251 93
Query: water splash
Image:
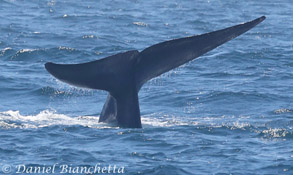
13 119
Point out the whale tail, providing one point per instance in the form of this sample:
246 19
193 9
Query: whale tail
105 74
123 74
114 74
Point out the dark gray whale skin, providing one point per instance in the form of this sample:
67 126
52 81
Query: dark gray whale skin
123 74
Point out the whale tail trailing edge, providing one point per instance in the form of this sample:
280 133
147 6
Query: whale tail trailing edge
102 74
165 56
122 75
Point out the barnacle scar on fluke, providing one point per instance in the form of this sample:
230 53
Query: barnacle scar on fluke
123 74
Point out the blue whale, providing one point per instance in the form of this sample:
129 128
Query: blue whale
123 74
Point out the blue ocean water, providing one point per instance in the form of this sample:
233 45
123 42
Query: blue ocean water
228 112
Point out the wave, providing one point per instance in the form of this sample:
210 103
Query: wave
222 125
140 24
37 54
13 119
6 51
46 118
283 110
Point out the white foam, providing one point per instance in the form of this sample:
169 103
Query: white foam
4 50
282 110
26 50
140 24
7 48
275 132
46 118
13 119
88 36
66 48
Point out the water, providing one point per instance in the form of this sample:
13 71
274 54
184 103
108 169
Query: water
229 112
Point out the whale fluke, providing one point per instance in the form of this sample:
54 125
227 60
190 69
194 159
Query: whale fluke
123 74
165 56
102 74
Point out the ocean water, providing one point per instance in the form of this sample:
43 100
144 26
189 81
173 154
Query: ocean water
228 112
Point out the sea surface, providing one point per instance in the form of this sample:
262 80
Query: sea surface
228 112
